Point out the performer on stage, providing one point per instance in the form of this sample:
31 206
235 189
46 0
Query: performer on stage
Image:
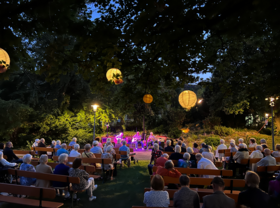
151 139
137 139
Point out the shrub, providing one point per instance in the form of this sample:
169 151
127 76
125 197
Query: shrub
212 141
223 131
174 133
159 130
211 122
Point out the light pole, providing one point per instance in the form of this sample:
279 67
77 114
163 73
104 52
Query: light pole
271 103
94 111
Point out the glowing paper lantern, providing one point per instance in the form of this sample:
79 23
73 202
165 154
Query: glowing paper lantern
187 99
4 57
111 72
148 98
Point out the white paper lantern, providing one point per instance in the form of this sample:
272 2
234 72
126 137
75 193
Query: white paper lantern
111 72
187 99
4 57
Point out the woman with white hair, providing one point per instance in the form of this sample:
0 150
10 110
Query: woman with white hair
53 144
35 144
256 154
222 146
73 142
108 155
74 152
26 166
177 154
43 168
241 141
5 163
208 154
58 144
242 153
184 163
119 144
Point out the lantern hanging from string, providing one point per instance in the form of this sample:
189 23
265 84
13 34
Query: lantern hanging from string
4 61
112 73
187 99
148 98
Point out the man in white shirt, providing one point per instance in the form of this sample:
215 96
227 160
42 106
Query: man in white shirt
268 160
221 147
208 154
257 153
204 163
74 152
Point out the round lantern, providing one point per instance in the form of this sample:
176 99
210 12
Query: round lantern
148 98
111 72
4 57
187 99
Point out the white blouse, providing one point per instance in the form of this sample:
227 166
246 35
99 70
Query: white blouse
4 162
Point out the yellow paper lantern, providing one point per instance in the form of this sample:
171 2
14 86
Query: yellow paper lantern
148 98
111 72
4 57
187 99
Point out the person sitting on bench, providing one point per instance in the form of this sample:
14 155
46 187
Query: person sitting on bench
58 144
125 157
96 149
107 155
5 163
26 166
204 163
218 198
168 148
177 154
62 150
35 144
86 183
42 144
11 157
74 152
73 142
242 153
119 144
268 160
43 168
88 154
184 163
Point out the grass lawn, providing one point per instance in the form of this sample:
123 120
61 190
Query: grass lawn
125 191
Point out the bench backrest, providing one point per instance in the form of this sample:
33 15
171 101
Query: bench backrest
189 171
223 150
45 149
44 176
170 153
268 168
87 160
28 190
251 148
228 154
277 159
24 152
250 161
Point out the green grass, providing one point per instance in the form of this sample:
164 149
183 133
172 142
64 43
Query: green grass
126 190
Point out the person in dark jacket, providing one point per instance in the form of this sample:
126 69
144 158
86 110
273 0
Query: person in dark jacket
177 154
11 157
253 197
42 144
169 148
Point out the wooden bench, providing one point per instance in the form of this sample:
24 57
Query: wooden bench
250 161
231 183
263 169
46 176
36 192
195 171
224 151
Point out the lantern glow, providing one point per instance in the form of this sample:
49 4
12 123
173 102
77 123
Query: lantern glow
187 99
148 98
4 60
111 72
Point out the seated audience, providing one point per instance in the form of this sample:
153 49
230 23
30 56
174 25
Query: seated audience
263 143
86 182
241 141
125 157
168 148
74 152
222 146
208 154
161 160
156 153
62 169
195 149
119 144
43 168
26 166
253 143
274 188
253 197
73 142
87 153
202 146
192 157
183 149
2 147
107 155
58 144
276 153
242 153
157 197
5 163
218 198
172 143
108 141
268 160
11 157
168 170
177 154
42 144
257 153
183 144
204 163
109 144
160 147
184 163
53 144
62 150
180 199
99 143
35 144
96 149
233 147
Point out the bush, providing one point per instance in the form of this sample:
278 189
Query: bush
212 141
174 133
223 131
211 122
159 130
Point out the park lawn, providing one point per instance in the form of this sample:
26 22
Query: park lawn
125 191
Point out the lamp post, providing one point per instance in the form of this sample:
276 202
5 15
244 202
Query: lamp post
271 103
94 111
